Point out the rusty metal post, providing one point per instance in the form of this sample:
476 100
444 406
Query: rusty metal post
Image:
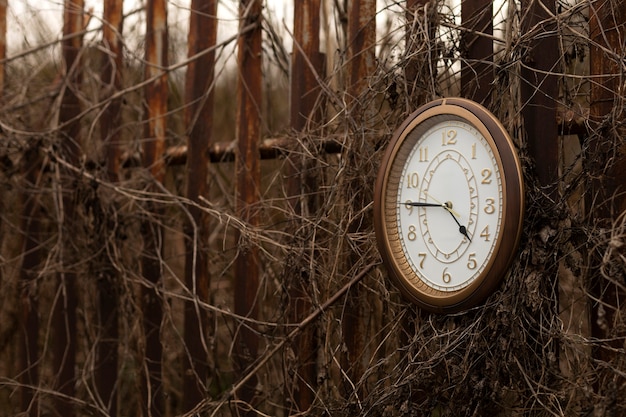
361 41
153 149
3 44
112 79
28 355
199 121
307 63
156 92
419 71
106 369
361 49
247 166
539 90
606 164
64 310
477 71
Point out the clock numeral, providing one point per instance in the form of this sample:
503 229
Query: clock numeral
490 208
471 261
448 137
485 233
408 206
423 153
422 257
473 151
412 180
446 276
486 173
411 235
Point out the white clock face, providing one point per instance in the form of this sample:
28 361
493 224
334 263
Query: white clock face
449 205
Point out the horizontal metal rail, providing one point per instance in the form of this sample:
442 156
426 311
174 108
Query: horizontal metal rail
569 122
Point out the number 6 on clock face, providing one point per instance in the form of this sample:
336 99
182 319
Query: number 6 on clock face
448 205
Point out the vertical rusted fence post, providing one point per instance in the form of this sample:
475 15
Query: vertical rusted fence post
476 49
421 29
606 163
361 41
153 150
539 91
106 369
64 313
28 355
306 63
199 121
3 44
247 166
113 64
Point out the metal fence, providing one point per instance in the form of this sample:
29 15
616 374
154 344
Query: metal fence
104 323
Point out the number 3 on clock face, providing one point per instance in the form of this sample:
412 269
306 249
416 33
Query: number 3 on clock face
449 205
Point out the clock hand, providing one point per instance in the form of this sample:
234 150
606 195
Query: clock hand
420 204
462 229
447 205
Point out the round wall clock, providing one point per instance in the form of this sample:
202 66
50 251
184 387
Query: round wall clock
448 205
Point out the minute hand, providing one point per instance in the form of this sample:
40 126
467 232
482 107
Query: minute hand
420 204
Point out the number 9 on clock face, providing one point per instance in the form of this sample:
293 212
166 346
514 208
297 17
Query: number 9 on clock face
449 205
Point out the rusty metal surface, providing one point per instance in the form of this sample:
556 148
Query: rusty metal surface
64 311
218 152
112 79
477 70
307 62
247 166
106 353
606 25
606 164
3 43
29 352
361 46
538 87
420 14
307 66
153 150
606 114
199 116
70 104
156 92
361 41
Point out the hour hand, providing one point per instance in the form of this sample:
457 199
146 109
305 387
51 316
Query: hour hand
462 229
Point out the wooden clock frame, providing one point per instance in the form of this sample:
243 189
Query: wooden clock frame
385 203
